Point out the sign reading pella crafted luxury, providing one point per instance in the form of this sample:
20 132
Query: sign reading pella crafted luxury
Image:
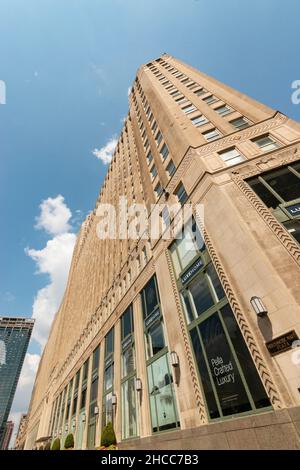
159 334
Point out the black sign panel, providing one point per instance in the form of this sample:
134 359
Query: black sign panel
282 343
186 276
294 209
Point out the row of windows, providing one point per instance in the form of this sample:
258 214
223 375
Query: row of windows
189 108
162 147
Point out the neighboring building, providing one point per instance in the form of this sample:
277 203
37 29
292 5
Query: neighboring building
21 435
159 335
14 338
8 429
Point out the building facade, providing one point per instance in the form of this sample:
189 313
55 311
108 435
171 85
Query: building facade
14 338
21 434
9 427
15 334
183 338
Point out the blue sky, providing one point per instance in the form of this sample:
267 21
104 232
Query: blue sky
67 65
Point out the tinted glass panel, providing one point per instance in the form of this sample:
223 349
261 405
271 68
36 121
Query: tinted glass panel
285 183
204 376
201 294
230 389
264 194
254 383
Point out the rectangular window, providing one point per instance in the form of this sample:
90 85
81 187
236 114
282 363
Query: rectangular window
154 126
231 156
212 135
171 168
158 189
109 343
210 99
164 151
240 123
200 92
266 143
189 109
199 120
96 355
181 194
149 157
153 172
126 323
181 100
158 137
150 297
223 110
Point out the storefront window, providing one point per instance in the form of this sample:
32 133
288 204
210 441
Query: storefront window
107 411
160 382
229 378
279 190
92 417
129 411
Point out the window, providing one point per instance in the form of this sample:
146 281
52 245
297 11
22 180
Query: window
158 189
215 336
155 339
187 247
171 168
173 92
109 342
210 99
96 355
231 156
240 123
223 110
212 135
200 92
181 194
266 143
150 298
279 189
158 137
165 214
149 157
199 120
154 126
153 172
164 151
126 323
189 109
185 80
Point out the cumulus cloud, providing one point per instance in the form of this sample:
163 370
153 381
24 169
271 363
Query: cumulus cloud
54 216
105 153
23 392
54 259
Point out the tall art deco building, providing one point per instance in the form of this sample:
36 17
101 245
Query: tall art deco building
180 347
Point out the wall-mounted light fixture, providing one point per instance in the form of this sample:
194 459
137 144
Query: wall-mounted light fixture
96 410
114 399
59 432
83 418
174 359
66 428
258 306
138 385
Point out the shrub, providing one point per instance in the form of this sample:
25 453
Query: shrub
69 442
47 446
56 444
108 436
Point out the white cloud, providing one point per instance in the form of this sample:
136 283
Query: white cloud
23 392
54 259
54 216
105 153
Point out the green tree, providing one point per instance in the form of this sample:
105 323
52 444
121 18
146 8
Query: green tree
69 442
108 436
56 444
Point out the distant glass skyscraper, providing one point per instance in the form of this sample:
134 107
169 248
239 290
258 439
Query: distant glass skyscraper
14 338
